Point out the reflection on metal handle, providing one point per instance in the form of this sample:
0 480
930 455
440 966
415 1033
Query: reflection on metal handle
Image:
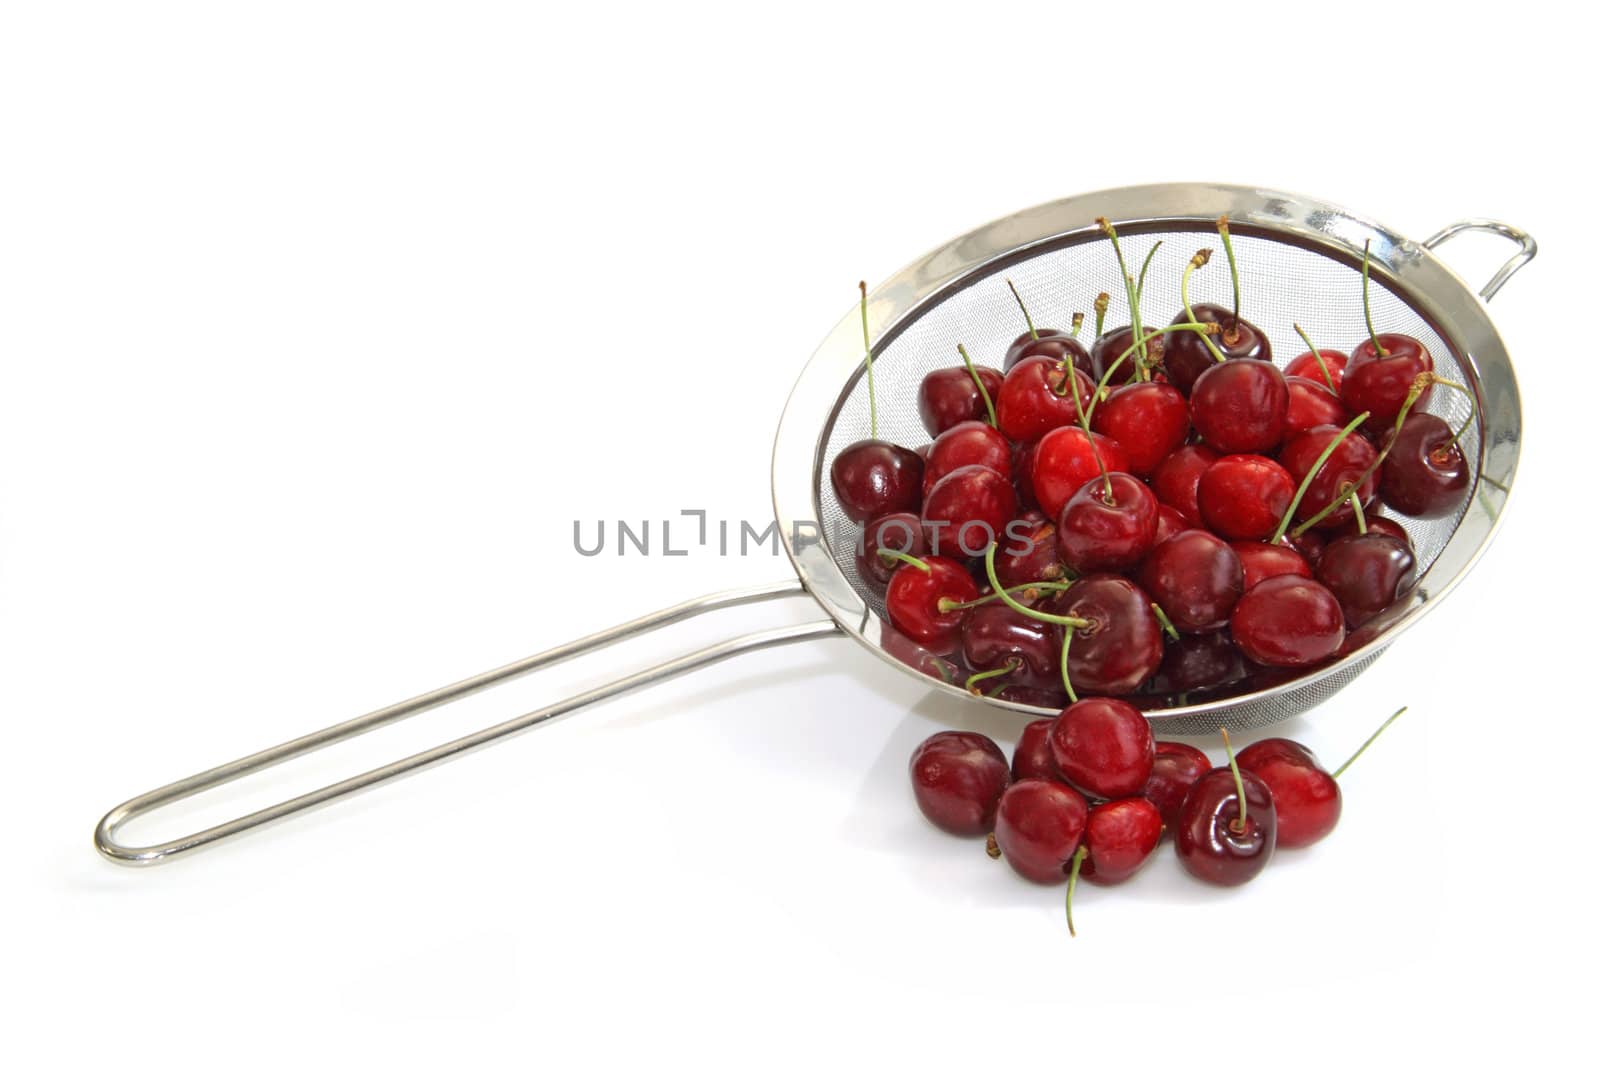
1529 249
105 832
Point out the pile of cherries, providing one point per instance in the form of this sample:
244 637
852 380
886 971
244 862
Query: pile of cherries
1160 513
1090 793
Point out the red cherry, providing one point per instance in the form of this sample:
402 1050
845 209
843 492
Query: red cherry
1305 366
1309 544
949 396
1425 474
899 531
1147 419
1240 405
1288 621
1027 553
1311 404
1168 522
1121 646
1064 460
967 511
1109 347
958 778
1103 747
1176 480
994 636
1379 384
1366 573
1198 661
1213 844
1262 561
1038 827
1051 344
915 592
1195 578
1185 356
1107 529
1177 767
1306 796
1243 497
1349 462
873 478
1022 474
1032 757
1121 835
1037 396
962 445
1375 524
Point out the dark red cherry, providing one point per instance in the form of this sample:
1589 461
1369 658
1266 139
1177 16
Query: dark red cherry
1121 835
1026 554
1262 561
1177 767
1243 497
1107 529
1109 347
995 635
1168 522
914 596
1306 796
1239 406
1379 384
967 510
949 396
1039 826
1425 474
1309 544
963 445
1037 396
873 478
1103 747
1288 621
1120 648
1311 404
1195 578
1198 661
1032 757
1349 462
1366 572
1185 356
1376 524
958 778
1176 480
1213 844
1305 366
1022 474
1147 419
1052 344
1064 460
899 531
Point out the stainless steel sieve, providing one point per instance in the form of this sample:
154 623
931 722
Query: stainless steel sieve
1299 262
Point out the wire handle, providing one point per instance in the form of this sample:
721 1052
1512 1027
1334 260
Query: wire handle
139 856
1530 248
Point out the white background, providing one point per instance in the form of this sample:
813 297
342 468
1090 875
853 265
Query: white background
320 323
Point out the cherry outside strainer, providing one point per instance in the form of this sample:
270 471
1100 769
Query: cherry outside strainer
1299 261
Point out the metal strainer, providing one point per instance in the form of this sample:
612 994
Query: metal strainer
1299 261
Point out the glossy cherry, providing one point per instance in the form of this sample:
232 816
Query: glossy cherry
1424 474
1305 795
1057 345
873 478
958 778
1027 553
1103 747
1196 579
1176 479
1120 647
1168 522
1311 403
1109 347
1243 497
962 445
1305 366
967 510
917 593
1176 767
1147 419
1037 395
1121 835
1198 661
1366 572
899 532
1288 621
1239 406
1032 757
1262 561
1185 356
1375 524
1107 528
1038 826
1064 461
1379 383
994 637
1350 461
949 396
1215 841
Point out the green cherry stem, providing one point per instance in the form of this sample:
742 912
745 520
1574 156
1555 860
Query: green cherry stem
1072 883
1239 825
866 343
983 392
889 553
1166 623
999 672
947 605
1201 328
1361 515
1066 676
1305 483
1316 354
1233 268
1127 279
1472 412
1145 268
1198 260
1366 299
1025 316
1368 742
1069 621
1101 304
1077 324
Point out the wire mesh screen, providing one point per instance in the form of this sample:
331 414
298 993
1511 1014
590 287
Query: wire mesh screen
1282 284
